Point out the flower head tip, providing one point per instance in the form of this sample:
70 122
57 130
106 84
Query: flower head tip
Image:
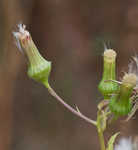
39 68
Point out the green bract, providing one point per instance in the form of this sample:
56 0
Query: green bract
39 68
120 103
106 86
40 72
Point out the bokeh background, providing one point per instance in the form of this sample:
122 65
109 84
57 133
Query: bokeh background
70 33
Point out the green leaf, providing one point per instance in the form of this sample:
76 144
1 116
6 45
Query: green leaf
111 141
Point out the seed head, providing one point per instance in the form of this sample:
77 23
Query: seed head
109 73
39 68
121 104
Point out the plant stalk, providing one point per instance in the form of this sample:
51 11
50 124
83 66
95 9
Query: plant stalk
71 109
101 139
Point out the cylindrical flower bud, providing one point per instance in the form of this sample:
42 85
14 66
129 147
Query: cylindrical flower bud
109 73
120 103
39 68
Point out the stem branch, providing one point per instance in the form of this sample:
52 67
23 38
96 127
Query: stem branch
77 113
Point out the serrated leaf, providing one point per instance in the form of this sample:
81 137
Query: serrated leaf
111 141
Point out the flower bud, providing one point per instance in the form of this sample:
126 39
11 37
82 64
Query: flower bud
120 103
39 68
109 87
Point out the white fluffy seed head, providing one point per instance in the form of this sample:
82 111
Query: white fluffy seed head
127 144
124 144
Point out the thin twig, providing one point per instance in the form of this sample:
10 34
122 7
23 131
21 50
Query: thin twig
79 114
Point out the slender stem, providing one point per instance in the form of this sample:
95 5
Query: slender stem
77 113
101 126
101 139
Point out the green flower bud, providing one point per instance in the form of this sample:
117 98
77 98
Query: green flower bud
109 87
39 68
120 103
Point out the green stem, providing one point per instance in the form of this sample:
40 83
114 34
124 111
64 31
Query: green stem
101 126
79 114
101 139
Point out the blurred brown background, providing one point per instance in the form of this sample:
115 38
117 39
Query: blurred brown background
70 33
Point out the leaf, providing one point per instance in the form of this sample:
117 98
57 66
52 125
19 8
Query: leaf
111 141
